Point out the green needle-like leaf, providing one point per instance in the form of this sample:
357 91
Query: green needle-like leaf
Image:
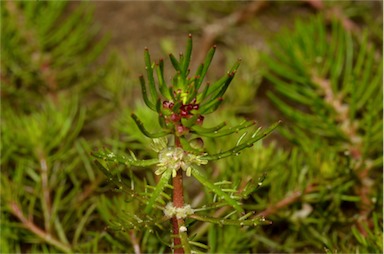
222 84
197 75
158 106
164 90
149 104
124 160
294 94
201 96
147 133
159 188
187 57
120 184
162 122
252 187
201 130
212 88
228 131
151 80
222 222
174 62
243 145
224 87
210 106
206 65
216 189
192 91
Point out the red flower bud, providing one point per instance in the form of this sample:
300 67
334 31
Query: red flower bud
189 107
184 107
181 130
200 120
184 113
166 104
175 117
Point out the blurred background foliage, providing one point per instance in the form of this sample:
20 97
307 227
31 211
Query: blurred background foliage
69 83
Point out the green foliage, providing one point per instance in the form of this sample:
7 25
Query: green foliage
181 107
335 88
318 186
47 60
330 93
45 169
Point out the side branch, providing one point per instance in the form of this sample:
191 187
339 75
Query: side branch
286 201
15 210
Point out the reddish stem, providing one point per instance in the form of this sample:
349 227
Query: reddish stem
286 201
46 193
135 241
178 201
364 191
28 224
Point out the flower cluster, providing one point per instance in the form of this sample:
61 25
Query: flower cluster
174 158
179 212
179 115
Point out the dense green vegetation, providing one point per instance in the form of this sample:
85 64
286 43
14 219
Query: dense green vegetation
316 180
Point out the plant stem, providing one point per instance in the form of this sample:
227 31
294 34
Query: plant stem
354 146
15 209
364 190
46 197
134 241
287 201
178 201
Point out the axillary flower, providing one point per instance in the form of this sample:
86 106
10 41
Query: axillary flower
174 158
179 212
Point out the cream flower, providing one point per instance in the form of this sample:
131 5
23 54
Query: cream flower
174 158
179 212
